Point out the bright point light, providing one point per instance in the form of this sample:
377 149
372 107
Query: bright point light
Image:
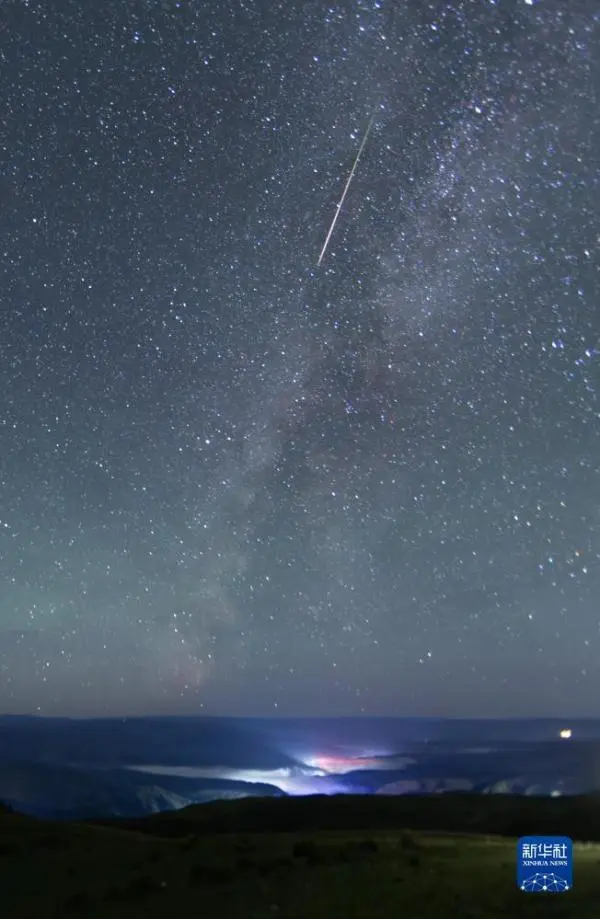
565 733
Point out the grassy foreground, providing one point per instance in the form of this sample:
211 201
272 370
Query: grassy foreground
66 870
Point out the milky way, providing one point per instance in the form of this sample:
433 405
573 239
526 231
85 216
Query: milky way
233 481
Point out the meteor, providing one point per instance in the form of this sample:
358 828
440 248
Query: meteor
346 187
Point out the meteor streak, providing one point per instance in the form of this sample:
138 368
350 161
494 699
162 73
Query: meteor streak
346 187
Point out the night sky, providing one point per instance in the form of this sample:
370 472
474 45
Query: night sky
233 482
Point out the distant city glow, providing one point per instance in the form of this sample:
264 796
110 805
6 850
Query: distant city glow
340 764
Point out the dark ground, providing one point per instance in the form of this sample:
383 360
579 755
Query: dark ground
340 858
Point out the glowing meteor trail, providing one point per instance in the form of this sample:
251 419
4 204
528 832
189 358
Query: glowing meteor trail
346 187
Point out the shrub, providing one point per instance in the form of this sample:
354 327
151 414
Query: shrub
369 846
198 873
409 841
76 902
187 843
305 848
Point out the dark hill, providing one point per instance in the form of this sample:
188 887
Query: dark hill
504 815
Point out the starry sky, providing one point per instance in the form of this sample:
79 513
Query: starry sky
235 482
